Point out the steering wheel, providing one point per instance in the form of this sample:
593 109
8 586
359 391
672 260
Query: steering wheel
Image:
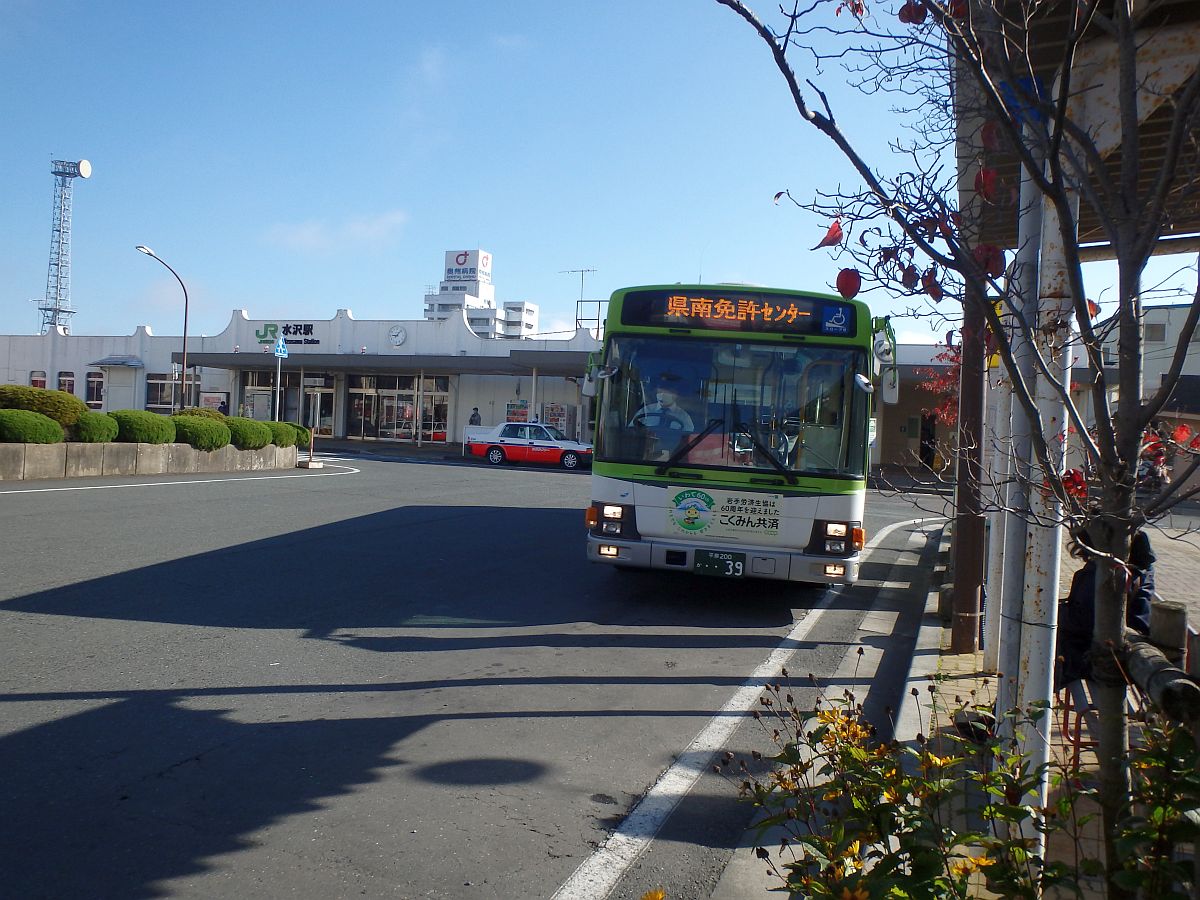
639 419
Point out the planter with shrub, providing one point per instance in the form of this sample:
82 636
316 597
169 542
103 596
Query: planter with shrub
63 408
247 434
201 432
23 426
136 426
94 428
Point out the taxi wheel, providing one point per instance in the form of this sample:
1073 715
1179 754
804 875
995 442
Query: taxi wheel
570 460
495 456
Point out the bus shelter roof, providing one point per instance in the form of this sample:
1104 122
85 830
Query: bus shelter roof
1046 37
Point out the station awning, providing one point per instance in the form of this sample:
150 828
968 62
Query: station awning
130 362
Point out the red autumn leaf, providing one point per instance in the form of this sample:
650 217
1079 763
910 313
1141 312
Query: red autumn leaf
909 277
991 136
1181 434
912 12
990 258
987 183
945 229
833 236
1093 308
777 196
958 9
929 284
848 283
1195 444
888 254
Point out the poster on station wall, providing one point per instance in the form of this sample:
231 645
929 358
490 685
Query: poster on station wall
214 399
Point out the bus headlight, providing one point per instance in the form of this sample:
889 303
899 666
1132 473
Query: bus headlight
608 550
835 569
836 538
613 519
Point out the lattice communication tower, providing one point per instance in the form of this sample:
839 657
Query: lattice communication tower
56 307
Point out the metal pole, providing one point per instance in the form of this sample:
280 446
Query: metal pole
968 523
183 375
278 373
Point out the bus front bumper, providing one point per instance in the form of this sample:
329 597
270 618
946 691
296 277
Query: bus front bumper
758 563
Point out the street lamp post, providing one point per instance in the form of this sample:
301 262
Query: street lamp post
183 375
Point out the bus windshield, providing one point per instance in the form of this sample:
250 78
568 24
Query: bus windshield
783 408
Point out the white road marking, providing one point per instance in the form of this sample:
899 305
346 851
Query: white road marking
598 874
350 470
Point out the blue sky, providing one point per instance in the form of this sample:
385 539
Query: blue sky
296 158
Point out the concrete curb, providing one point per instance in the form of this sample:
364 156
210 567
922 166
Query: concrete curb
30 462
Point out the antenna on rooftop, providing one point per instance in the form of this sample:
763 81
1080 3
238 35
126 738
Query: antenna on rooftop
582 273
582 319
56 307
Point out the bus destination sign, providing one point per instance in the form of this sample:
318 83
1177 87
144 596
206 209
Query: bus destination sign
749 311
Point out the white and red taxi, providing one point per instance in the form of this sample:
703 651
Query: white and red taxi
527 442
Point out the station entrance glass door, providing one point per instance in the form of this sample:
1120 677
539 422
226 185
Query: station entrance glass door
318 410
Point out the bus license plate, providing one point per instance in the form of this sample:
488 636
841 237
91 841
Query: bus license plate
719 562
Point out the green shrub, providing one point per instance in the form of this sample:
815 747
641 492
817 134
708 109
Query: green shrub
63 408
24 426
205 411
137 426
94 428
247 434
303 435
201 432
282 434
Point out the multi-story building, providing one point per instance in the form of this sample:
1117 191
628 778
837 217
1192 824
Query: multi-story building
467 287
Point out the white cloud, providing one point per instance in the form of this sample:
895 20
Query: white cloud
316 235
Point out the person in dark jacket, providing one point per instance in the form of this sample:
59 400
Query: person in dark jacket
1077 613
1141 583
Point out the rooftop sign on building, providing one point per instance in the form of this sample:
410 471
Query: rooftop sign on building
469 265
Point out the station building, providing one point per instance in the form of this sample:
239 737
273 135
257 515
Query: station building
381 379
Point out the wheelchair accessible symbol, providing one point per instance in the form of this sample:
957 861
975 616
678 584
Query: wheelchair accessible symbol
835 320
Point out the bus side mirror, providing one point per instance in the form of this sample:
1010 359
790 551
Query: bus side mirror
588 387
889 383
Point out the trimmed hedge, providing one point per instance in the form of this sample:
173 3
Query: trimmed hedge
303 435
24 426
282 434
205 411
63 408
94 428
137 426
201 432
247 434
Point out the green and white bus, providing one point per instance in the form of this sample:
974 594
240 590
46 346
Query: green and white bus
733 427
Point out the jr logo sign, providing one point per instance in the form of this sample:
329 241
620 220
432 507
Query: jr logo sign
268 333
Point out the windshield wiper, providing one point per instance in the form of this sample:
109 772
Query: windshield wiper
762 448
685 448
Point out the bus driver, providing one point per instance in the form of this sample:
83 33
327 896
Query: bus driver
664 418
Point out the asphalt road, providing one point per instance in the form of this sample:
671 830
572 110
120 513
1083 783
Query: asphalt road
378 679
